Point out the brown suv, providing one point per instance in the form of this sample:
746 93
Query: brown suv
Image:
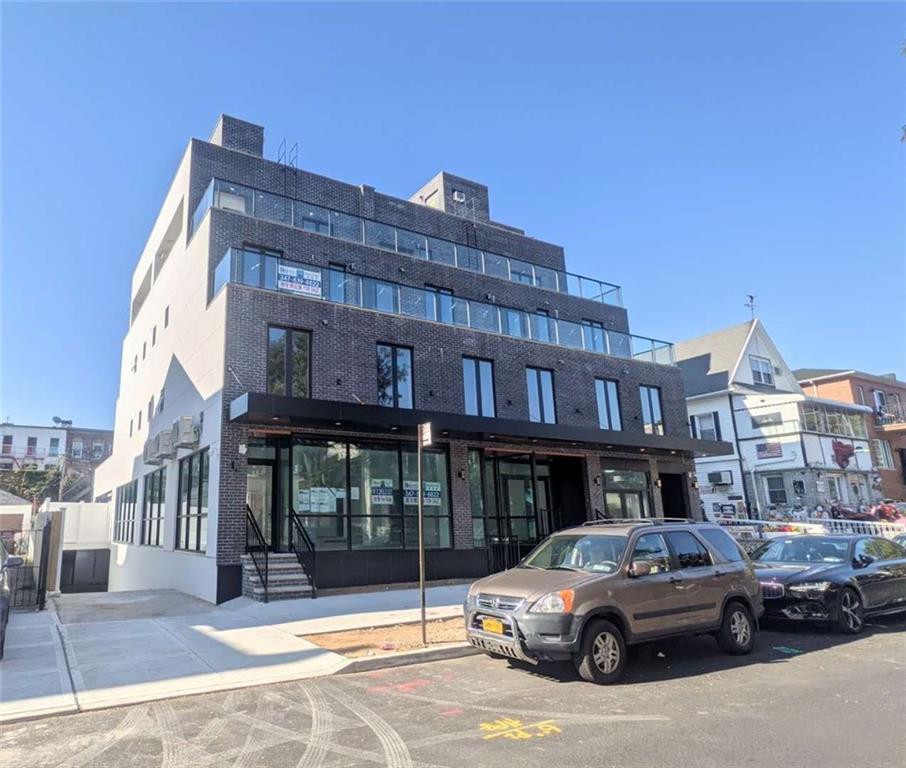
586 593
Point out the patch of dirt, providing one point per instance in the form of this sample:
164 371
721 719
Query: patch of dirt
383 641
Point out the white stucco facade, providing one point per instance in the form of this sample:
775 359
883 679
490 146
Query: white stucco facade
172 367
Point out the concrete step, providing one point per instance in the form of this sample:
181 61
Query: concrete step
281 578
281 592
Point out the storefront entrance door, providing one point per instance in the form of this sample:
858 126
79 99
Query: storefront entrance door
259 495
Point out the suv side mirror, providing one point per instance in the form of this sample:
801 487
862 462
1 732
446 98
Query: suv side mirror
639 568
13 561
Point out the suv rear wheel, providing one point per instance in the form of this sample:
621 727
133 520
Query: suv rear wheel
737 630
602 656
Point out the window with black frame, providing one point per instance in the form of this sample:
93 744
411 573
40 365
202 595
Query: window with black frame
153 504
540 383
478 386
288 362
394 376
124 512
192 502
608 397
652 416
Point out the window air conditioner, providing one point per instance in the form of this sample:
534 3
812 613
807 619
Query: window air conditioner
459 196
720 478
165 448
184 432
150 452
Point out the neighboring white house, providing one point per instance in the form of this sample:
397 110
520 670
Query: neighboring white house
789 449
31 446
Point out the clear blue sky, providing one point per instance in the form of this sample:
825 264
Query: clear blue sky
691 153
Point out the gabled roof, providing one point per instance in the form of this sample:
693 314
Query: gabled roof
806 374
708 361
9 499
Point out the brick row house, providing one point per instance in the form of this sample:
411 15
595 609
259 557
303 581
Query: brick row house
885 395
288 332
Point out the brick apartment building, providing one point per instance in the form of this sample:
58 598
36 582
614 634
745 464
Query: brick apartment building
886 396
288 332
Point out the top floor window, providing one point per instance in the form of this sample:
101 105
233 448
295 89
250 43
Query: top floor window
762 370
652 418
54 446
288 362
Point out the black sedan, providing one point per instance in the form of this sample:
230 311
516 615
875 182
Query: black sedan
834 579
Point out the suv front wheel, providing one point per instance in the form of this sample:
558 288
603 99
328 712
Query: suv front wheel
737 630
602 657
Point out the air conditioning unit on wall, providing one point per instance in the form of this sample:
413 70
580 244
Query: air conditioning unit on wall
165 447
184 433
149 454
720 478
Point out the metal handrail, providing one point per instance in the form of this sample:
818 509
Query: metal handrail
261 543
299 527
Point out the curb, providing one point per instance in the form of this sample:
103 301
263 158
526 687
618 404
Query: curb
420 656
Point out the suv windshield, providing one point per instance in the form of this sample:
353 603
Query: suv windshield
578 552
803 550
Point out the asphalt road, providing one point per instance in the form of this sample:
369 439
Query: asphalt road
804 698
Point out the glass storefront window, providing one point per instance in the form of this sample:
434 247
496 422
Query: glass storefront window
318 492
376 497
435 498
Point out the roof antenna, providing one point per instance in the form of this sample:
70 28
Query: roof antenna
750 303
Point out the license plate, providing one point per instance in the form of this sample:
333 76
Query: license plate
492 625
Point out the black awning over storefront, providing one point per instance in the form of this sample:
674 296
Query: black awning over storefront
258 409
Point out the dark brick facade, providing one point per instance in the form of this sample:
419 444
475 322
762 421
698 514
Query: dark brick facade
343 338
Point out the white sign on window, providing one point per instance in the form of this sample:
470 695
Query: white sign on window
381 491
306 282
432 494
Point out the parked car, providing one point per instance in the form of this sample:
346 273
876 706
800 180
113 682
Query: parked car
900 539
6 562
586 593
834 579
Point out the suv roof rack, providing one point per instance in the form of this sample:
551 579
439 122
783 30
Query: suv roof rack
639 521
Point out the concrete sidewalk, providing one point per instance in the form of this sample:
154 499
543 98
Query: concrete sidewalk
34 680
125 648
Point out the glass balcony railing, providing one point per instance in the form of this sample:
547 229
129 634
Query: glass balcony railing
261 269
313 218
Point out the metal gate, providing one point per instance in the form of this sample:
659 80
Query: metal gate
28 582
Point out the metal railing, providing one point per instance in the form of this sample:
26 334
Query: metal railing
270 272
256 547
330 223
303 546
892 413
28 582
759 530
503 553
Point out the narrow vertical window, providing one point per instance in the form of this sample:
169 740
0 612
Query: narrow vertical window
478 386
540 383
608 398
288 362
394 376
652 418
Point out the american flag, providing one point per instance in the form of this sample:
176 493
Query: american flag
769 450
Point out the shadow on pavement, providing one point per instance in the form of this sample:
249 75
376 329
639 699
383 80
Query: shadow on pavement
683 657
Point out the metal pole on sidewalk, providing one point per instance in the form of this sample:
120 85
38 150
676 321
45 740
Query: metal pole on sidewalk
424 439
